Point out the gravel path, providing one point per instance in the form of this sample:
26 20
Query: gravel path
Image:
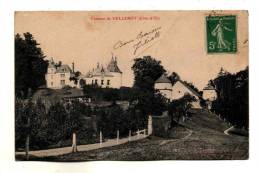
66 150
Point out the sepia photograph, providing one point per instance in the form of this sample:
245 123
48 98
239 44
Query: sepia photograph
131 85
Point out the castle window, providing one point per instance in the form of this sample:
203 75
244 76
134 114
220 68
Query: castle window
51 83
62 82
96 81
62 75
102 82
108 82
92 82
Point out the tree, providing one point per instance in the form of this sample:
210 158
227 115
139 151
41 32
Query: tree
145 100
28 119
180 107
30 66
174 77
76 119
82 83
58 123
75 77
20 123
149 102
111 119
232 97
146 71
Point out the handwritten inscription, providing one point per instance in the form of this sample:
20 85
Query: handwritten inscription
142 39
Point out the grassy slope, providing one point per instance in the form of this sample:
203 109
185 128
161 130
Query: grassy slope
207 141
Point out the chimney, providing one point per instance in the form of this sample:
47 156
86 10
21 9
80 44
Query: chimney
73 67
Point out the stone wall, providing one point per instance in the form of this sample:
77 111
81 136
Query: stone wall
161 125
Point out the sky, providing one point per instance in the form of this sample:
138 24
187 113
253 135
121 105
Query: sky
176 38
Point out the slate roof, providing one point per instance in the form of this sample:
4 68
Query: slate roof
163 79
112 66
63 69
192 90
100 70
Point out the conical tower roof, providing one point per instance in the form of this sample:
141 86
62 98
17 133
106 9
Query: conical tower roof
112 66
163 79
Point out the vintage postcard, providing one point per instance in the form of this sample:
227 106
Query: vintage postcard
131 85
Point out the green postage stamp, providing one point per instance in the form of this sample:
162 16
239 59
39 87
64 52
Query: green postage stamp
221 34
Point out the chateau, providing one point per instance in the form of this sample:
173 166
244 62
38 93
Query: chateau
105 77
59 75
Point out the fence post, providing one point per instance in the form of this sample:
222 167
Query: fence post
74 142
150 125
27 142
100 138
129 137
138 133
117 136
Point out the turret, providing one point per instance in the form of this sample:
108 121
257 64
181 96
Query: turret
112 66
51 66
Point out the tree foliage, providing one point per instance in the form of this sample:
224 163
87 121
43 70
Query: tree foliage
146 71
174 77
180 107
111 119
108 94
75 78
52 128
232 97
30 66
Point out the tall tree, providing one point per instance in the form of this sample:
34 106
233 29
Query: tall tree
232 97
30 66
180 107
146 71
